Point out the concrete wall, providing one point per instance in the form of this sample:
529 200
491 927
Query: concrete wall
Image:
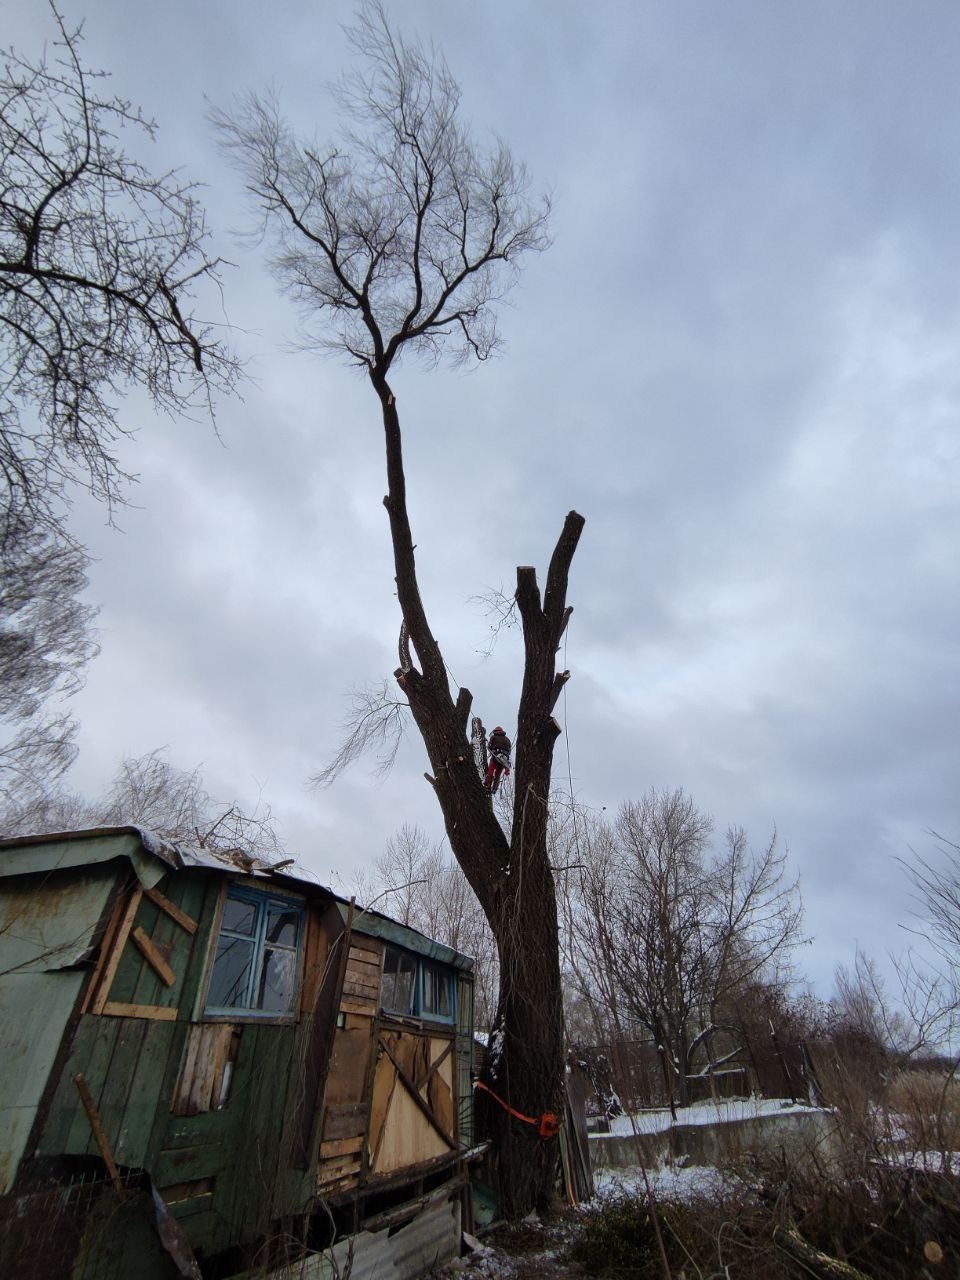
713 1144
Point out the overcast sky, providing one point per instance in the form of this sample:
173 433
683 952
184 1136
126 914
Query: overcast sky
739 361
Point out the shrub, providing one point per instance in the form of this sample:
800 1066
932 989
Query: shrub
617 1238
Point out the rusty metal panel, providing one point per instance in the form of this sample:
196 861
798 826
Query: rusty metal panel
411 1251
47 927
40 855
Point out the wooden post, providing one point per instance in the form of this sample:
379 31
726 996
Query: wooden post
96 1127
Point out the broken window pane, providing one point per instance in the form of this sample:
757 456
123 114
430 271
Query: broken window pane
230 980
282 926
277 980
255 964
239 916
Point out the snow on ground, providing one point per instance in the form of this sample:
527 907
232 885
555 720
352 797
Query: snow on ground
676 1182
701 1113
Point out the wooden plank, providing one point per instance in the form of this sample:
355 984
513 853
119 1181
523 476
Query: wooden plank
177 1192
412 1090
120 1077
105 1033
95 981
172 910
315 955
97 1129
339 1167
201 1088
117 943
339 1186
440 1097
156 1012
366 982
341 1147
200 899
384 1083
435 1065
345 1121
139 1109
211 1057
348 1065
366 1008
153 957
362 991
371 972
364 954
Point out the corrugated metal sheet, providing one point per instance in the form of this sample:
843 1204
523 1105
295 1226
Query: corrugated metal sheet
432 1238
39 855
45 852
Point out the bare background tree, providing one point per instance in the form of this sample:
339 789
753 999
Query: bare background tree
99 263
99 259
417 883
149 791
45 643
400 238
667 934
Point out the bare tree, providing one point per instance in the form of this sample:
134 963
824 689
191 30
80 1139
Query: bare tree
149 791
399 240
670 932
99 259
918 1015
45 643
937 885
99 263
417 884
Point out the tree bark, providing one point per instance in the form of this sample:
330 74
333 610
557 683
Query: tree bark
511 878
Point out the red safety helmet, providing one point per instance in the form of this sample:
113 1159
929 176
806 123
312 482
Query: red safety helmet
498 729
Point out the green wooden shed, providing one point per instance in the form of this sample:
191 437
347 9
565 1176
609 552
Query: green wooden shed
212 1067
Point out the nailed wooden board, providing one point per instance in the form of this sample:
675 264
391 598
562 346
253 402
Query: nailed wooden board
348 1065
113 949
360 990
171 909
345 1120
339 1167
384 1084
155 1012
341 1147
157 962
367 1008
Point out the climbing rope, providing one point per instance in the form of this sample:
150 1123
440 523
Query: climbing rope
547 1125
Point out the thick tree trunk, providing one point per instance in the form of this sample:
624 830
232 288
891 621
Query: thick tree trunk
512 879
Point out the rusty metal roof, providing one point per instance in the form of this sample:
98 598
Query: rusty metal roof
51 851
59 849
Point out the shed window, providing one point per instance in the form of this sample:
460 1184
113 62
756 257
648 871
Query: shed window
416 988
399 991
437 993
255 964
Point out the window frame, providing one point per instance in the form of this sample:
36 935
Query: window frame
261 900
422 963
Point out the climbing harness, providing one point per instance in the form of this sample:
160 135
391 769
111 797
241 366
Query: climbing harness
547 1125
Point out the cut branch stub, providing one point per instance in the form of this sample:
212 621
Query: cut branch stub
559 680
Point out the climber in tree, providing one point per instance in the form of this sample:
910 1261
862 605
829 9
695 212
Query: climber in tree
499 749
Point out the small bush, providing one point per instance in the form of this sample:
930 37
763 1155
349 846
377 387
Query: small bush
927 1105
617 1239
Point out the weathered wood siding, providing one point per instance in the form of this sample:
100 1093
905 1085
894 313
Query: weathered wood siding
211 1109
412 1119
346 1109
47 924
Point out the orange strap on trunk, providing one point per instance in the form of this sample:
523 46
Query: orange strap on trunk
547 1126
